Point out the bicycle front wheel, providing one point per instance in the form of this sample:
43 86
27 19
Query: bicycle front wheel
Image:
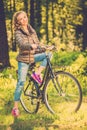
63 93
29 98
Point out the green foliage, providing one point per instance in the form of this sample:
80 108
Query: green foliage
64 58
43 120
75 63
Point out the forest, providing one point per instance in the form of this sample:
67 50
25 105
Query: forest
59 22
62 23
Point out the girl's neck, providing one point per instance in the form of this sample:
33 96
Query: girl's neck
25 28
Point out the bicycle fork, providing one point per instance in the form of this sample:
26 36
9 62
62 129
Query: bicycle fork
56 83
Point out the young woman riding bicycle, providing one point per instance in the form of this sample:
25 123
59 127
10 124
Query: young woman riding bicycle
28 42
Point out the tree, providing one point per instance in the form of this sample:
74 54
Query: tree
32 13
4 54
84 9
26 5
38 16
47 36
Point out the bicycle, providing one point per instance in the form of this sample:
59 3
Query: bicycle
59 91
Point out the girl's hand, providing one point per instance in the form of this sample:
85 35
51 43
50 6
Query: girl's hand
34 46
50 47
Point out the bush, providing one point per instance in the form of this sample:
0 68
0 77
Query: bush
64 58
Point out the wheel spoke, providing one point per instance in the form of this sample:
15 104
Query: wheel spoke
69 96
29 98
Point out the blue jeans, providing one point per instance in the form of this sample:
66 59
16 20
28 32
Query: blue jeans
22 73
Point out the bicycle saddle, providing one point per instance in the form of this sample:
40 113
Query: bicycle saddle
32 65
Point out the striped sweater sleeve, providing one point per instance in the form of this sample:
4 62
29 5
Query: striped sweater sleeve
23 44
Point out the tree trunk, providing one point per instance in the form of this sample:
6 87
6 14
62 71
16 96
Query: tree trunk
84 7
14 5
4 54
47 37
38 16
26 5
32 13
53 21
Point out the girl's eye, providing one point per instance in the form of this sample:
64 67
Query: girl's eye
24 16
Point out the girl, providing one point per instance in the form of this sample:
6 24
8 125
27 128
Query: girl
28 42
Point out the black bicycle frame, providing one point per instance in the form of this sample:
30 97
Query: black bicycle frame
50 74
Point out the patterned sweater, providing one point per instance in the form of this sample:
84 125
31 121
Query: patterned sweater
24 41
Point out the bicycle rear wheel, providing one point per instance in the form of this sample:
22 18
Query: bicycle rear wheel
29 98
65 95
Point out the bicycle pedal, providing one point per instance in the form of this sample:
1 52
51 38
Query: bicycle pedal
40 96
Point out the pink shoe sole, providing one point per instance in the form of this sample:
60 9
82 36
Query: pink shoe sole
36 78
15 112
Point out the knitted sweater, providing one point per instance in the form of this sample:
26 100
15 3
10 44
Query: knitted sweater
24 41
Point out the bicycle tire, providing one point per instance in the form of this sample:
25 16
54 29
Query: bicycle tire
29 98
66 97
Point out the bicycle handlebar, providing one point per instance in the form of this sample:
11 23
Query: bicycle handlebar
41 49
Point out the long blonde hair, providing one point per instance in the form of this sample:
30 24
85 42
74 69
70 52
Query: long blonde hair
16 25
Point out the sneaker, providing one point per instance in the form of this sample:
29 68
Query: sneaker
37 78
15 112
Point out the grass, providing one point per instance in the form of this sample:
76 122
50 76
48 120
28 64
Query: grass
43 120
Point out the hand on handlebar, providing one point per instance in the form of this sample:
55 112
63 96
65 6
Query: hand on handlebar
34 46
41 49
52 47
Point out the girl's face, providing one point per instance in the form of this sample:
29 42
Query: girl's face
22 19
